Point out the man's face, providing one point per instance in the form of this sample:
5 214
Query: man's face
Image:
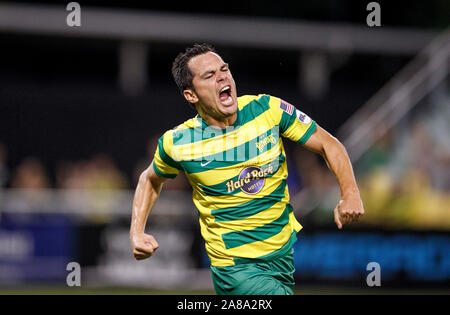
214 86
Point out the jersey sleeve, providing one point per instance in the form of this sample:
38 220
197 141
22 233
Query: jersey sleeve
163 163
294 124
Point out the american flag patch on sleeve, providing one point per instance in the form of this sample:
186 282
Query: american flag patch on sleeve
288 108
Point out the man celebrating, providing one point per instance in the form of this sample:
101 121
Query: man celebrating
232 154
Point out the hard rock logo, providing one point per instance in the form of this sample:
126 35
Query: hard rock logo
251 179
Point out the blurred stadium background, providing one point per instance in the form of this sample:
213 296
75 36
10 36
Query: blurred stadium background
81 109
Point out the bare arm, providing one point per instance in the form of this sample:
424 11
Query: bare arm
146 194
350 207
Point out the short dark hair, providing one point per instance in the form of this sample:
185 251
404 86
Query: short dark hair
180 70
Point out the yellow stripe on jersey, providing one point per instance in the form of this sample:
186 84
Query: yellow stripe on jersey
238 175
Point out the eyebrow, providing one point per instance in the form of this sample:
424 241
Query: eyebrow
206 73
212 71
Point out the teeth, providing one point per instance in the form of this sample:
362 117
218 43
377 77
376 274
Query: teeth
224 89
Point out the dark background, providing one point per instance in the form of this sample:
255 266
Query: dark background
60 100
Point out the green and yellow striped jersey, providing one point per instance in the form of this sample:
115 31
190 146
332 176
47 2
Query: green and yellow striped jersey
238 175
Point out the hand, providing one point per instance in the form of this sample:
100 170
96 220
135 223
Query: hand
143 245
348 210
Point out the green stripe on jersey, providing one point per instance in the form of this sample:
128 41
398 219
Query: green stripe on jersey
251 207
254 109
165 157
273 255
286 121
239 238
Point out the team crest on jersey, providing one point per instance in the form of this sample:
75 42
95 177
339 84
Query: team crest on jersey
251 180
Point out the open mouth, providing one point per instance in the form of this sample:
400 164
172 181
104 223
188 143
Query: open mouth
225 96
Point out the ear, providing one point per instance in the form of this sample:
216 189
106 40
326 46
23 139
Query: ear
190 96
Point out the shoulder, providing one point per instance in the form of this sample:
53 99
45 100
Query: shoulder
180 133
255 105
260 100
262 107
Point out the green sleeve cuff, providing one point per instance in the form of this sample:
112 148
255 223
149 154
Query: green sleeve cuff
308 133
161 173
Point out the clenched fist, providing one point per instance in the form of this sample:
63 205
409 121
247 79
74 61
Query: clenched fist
143 245
348 210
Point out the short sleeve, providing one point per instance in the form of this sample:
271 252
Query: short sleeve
163 163
294 124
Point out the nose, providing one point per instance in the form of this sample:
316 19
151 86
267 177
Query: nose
221 77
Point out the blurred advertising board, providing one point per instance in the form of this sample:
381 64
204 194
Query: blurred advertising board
402 256
35 247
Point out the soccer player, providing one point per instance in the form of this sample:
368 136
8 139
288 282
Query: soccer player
232 154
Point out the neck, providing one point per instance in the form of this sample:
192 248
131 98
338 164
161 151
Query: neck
218 122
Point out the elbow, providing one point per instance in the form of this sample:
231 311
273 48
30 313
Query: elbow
332 148
334 142
149 177
341 146
145 176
